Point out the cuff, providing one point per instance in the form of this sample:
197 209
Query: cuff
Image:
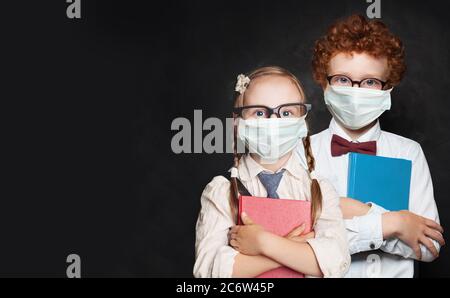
332 260
374 208
368 231
224 262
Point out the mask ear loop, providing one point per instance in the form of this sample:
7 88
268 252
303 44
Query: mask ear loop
234 169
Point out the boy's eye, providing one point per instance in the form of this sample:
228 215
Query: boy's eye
343 81
371 83
339 80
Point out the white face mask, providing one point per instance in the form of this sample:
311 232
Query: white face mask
356 107
272 138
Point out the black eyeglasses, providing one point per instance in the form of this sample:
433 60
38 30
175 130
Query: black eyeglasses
369 83
290 110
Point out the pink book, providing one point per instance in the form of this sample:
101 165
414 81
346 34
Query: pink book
278 216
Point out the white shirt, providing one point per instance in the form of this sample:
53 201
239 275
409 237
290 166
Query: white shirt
371 255
215 258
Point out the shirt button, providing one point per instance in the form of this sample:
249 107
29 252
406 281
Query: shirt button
372 246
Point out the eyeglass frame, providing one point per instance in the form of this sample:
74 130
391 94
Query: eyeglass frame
383 83
272 111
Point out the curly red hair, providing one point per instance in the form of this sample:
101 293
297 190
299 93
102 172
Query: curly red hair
357 34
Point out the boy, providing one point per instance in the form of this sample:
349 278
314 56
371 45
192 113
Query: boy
365 56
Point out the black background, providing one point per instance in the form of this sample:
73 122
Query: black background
87 107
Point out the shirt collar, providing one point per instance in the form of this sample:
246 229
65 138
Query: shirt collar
373 134
249 168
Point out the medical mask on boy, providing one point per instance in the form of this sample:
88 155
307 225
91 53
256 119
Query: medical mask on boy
272 138
356 107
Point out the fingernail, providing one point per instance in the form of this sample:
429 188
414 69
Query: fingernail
244 214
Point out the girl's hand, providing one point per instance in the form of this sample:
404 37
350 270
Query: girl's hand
298 236
247 238
413 230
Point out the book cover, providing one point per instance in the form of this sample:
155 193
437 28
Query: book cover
382 180
278 216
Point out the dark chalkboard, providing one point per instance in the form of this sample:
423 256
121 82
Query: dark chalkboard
89 102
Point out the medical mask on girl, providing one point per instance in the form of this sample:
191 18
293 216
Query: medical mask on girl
356 107
272 138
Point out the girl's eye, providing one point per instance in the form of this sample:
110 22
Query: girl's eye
260 113
286 114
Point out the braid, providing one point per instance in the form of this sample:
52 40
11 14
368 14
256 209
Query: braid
234 193
234 200
316 193
311 162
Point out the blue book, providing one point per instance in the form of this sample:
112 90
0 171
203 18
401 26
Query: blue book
382 180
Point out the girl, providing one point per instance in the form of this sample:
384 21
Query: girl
268 97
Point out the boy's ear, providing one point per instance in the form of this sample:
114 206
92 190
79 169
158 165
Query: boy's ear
389 87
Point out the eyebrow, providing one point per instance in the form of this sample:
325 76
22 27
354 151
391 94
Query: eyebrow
366 76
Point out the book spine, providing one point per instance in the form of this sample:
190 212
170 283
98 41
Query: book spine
239 211
408 189
352 158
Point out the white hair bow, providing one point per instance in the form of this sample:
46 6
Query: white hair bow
242 83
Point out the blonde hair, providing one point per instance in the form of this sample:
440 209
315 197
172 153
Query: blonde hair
316 193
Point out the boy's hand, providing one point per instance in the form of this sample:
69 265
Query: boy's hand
413 230
351 208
